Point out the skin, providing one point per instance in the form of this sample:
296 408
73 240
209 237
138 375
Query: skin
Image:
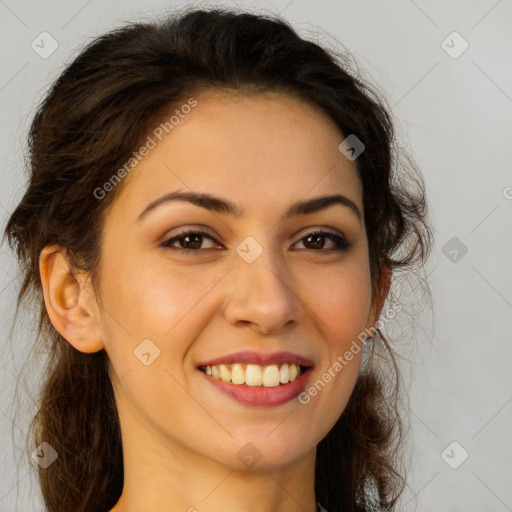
180 435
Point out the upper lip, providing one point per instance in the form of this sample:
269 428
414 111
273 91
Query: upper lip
259 358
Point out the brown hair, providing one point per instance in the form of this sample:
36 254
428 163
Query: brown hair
94 116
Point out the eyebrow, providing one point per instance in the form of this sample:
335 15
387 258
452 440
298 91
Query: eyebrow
219 205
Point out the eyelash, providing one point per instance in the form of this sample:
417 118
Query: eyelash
342 244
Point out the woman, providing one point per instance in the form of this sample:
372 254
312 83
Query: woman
212 225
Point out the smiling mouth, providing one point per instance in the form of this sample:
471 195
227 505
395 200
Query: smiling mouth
254 375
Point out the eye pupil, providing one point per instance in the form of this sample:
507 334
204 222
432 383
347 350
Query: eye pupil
192 246
316 244
189 242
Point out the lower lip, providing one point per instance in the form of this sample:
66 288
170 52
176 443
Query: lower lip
260 396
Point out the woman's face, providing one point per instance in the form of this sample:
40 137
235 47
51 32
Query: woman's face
256 288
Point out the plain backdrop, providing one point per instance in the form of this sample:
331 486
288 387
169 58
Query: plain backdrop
453 108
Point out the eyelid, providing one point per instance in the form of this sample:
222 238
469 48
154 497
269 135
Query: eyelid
323 229
192 228
335 236
183 232
198 228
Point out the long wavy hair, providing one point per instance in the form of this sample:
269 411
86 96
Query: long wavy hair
92 119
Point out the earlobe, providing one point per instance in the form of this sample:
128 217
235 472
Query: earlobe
68 301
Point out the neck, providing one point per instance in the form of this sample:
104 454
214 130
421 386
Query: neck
164 476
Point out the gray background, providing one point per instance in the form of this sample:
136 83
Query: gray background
455 114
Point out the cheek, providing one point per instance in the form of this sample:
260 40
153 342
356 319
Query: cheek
341 303
150 299
341 307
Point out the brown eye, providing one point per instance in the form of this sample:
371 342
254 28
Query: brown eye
316 241
189 241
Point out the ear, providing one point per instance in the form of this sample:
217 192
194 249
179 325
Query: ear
381 298
69 301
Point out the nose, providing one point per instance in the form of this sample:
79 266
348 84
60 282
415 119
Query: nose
263 295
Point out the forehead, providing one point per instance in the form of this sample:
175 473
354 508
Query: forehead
256 149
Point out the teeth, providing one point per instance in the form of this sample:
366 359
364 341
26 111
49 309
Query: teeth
225 373
237 374
271 376
254 375
294 371
284 374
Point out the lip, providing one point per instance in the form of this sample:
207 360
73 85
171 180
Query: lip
261 396
249 357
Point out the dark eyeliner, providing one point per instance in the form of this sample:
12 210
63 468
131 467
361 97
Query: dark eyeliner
342 244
